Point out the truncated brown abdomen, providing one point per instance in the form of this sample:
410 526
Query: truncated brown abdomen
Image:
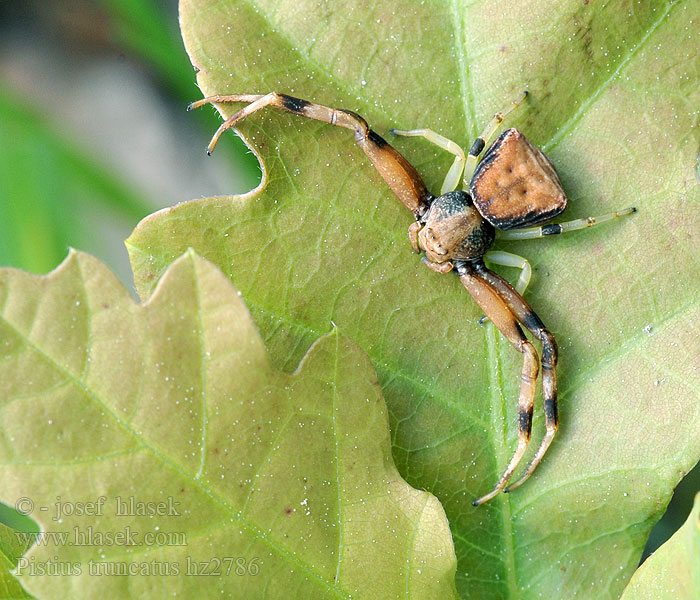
515 184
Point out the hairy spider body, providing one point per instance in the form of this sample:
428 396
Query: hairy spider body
453 229
508 194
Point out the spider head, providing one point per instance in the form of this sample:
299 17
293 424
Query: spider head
454 229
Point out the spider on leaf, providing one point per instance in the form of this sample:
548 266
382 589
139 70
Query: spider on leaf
509 194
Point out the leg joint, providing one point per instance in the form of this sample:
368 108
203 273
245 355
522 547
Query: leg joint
355 122
550 351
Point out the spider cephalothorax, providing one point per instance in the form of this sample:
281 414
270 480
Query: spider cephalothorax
452 229
511 189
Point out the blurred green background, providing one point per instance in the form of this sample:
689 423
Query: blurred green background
94 136
94 131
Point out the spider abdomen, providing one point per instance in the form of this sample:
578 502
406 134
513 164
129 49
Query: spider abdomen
515 184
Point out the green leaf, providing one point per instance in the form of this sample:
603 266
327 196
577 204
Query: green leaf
49 188
148 29
169 418
12 546
673 571
614 90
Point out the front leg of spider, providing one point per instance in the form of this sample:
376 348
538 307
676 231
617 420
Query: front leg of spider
399 174
513 187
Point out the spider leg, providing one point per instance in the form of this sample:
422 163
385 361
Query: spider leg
556 228
398 173
507 259
480 142
523 313
489 298
443 267
455 173
413 230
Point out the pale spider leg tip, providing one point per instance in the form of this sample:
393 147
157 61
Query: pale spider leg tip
516 484
522 98
212 144
487 497
399 132
499 487
225 126
197 104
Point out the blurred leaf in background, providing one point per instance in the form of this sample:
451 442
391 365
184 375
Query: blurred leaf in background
50 190
92 101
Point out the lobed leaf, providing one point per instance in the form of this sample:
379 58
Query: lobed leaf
673 571
11 548
158 441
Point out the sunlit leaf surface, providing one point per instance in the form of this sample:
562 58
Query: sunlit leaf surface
673 571
260 484
614 96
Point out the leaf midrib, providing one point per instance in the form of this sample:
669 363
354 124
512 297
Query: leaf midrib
500 450
464 67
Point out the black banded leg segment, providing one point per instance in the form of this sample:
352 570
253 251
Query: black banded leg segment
557 228
522 311
480 142
488 298
398 173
